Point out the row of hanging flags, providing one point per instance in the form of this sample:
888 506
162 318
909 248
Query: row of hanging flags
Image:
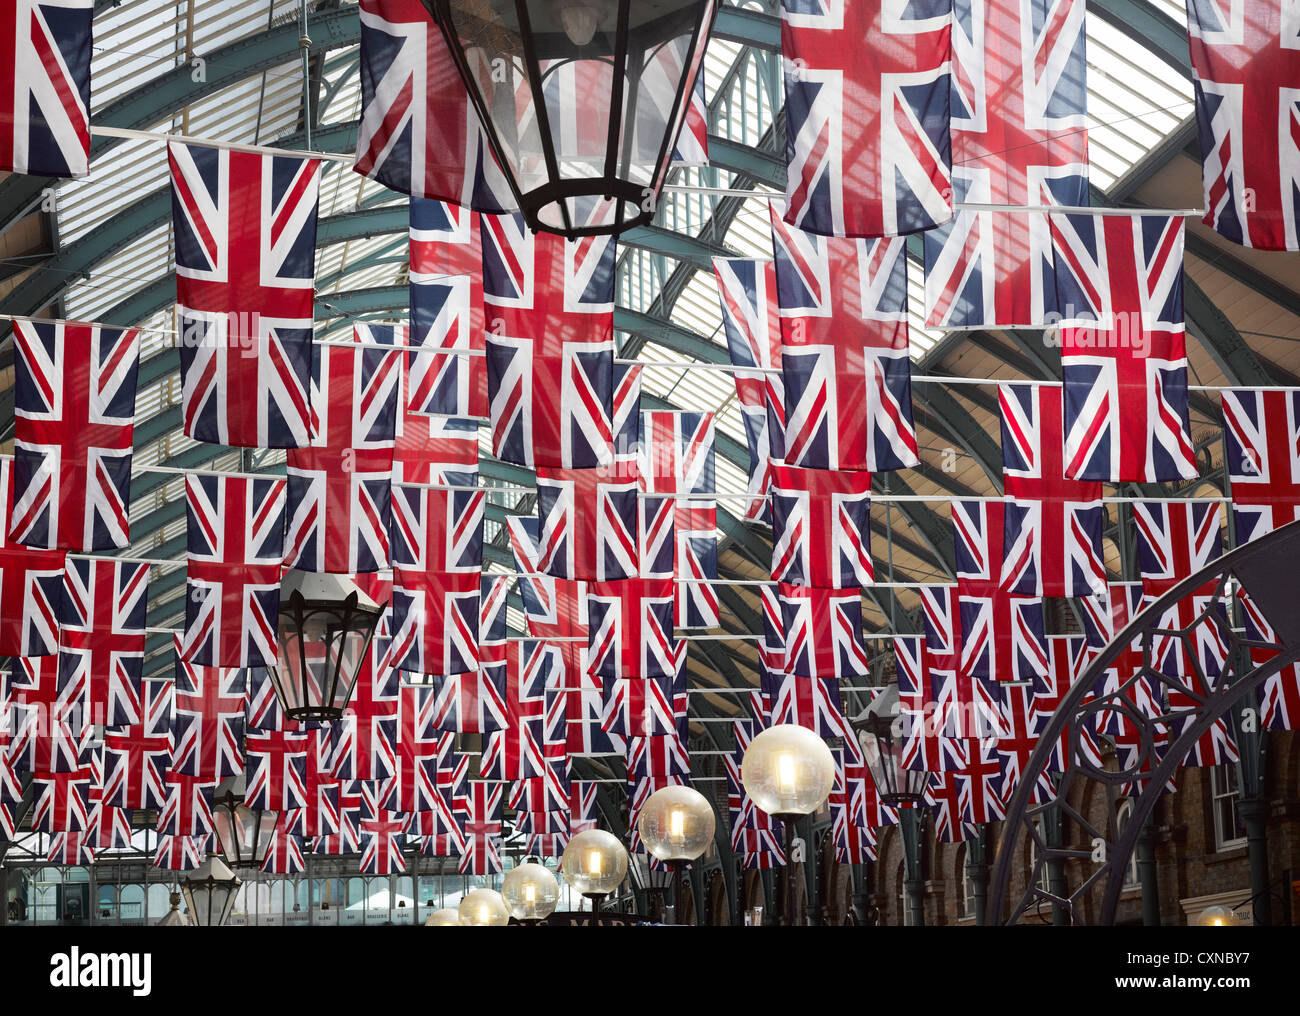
518 328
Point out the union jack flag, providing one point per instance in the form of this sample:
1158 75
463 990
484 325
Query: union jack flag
926 717
549 304
74 412
340 486
418 740
45 82
854 839
752 323
1261 433
1119 287
348 838
383 832
650 758
419 133
823 631
1003 635
1051 534
692 147
1280 702
1019 137
61 802
137 756
638 706
284 851
473 702
812 702
1017 742
844 351
365 740
320 816
437 546
40 719
31 587
235 536
275 769
245 232
1105 618
868 150
180 853
944 796
821 527
631 626
448 372
188 808
583 813
102 636
1246 79
588 522
208 721
534 677
482 824
434 449
1070 658
71 848
979 783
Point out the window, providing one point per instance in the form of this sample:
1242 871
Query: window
1225 783
965 885
1122 815
1044 875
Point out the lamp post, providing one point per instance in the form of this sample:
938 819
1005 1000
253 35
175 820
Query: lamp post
326 624
581 100
879 733
788 772
676 825
530 892
244 833
209 892
594 863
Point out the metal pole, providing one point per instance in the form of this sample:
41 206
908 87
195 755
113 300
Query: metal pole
1055 866
1252 804
909 821
861 901
304 47
812 905
1146 866
977 870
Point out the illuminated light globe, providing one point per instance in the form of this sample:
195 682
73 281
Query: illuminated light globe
787 771
444 918
676 824
1216 917
594 863
531 893
482 908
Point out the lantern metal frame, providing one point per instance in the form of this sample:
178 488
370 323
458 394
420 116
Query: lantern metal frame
876 724
228 804
609 185
350 615
196 883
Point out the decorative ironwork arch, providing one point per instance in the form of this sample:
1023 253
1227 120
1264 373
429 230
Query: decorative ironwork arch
1265 569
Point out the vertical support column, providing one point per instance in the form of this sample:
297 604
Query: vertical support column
768 878
1055 867
1252 803
909 820
861 899
811 865
977 870
1146 866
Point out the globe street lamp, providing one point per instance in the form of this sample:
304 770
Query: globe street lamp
676 825
594 863
530 892
445 917
482 908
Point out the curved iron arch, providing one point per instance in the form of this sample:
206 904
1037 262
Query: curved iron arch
1264 569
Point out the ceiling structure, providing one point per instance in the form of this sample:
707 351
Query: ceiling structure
100 249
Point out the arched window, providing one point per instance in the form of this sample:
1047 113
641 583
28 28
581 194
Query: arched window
1122 816
965 886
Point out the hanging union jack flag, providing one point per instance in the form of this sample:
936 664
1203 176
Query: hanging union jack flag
549 304
638 706
137 756
275 763
446 280
419 134
320 816
45 87
383 833
31 586
1119 290
823 631
678 531
235 534
534 676
692 148
1051 526
188 808
1246 79
1261 433
844 351
365 741
482 825
245 231
208 721
339 498
102 636
588 522
1003 635
867 150
821 527
631 629
1019 137
752 322
74 411
437 538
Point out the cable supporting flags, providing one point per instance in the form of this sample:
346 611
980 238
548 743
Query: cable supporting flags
340 486
245 233
419 133
1019 137
1051 526
867 149
448 372
844 351
45 87
549 304
74 414
1119 289
752 323
1246 82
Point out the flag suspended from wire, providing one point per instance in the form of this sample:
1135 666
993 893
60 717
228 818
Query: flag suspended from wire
1019 137
821 527
45 48
1246 82
74 413
31 586
868 150
1261 433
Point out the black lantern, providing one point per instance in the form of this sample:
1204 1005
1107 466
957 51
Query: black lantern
209 892
581 100
245 833
326 624
880 734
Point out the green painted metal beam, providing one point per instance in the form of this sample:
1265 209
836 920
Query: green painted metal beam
1144 23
